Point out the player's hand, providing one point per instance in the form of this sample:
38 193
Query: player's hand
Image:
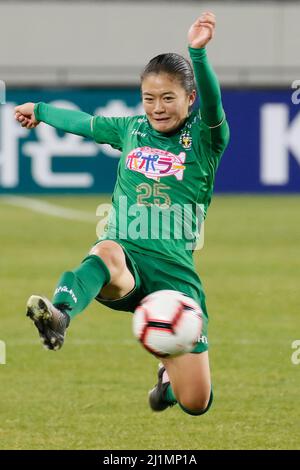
202 31
24 114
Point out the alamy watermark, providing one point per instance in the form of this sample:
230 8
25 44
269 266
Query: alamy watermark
2 352
295 357
296 94
180 222
2 92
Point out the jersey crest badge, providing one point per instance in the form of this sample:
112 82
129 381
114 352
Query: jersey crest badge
156 163
186 140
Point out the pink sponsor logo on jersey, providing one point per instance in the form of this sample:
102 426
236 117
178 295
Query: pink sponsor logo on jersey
156 163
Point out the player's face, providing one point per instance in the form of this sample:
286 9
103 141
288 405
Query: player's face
165 101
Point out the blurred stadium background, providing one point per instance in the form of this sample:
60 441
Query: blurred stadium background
93 393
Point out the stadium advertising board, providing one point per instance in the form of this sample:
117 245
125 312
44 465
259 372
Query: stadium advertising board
263 155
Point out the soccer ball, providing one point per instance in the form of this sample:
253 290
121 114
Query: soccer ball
167 323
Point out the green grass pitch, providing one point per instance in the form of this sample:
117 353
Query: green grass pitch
93 393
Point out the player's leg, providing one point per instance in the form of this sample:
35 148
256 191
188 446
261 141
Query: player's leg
184 379
103 270
190 380
121 280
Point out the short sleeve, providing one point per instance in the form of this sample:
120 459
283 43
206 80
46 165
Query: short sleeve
109 130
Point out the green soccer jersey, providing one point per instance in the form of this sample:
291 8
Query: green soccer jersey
164 183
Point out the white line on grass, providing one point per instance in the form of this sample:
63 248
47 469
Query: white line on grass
46 208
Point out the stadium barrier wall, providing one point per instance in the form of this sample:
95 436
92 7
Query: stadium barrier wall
109 42
263 155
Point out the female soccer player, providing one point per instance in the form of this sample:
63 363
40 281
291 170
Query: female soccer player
169 159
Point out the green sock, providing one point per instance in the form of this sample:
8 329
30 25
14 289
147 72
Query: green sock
77 288
169 396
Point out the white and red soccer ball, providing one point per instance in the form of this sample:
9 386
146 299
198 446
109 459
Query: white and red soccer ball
168 323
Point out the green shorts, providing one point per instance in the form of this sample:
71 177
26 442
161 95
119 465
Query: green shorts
153 274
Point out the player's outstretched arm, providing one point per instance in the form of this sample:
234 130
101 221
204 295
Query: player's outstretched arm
29 115
199 35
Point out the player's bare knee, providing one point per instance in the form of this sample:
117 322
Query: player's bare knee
112 255
197 404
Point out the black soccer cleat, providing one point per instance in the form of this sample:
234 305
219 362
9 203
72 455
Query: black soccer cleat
49 320
156 395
